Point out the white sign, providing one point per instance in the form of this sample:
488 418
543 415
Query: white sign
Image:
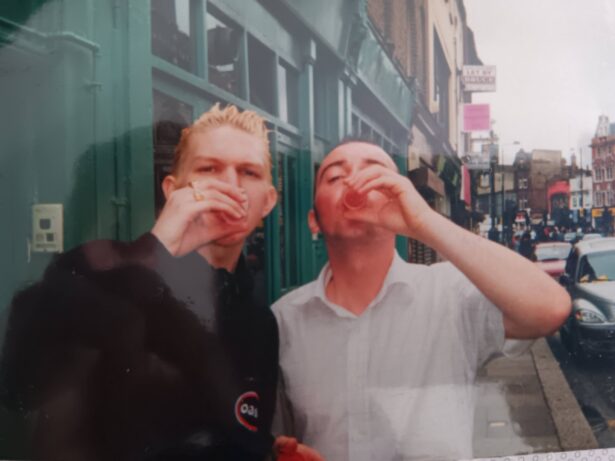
478 78
477 162
48 227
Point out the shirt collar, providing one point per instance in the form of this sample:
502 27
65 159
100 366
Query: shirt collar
395 275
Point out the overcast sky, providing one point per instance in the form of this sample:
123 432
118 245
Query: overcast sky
555 69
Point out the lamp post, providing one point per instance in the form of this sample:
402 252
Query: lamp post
493 161
504 236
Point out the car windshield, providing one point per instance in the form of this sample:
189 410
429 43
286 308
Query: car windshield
547 252
597 267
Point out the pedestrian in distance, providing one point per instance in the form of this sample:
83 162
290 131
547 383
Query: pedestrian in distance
526 247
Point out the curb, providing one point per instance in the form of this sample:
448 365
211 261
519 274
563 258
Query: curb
573 430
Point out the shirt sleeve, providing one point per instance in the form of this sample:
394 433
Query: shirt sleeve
481 322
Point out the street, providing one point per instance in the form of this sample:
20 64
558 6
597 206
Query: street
593 384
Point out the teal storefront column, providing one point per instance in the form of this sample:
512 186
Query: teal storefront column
306 162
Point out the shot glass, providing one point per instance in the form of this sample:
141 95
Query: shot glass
352 200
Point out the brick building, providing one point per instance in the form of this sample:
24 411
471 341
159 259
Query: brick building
546 166
603 163
430 42
522 164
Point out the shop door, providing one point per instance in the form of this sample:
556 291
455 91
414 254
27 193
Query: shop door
288 209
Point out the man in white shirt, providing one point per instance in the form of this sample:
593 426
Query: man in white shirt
378 357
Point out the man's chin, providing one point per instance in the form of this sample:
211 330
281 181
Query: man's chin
361 231
358 228
231 240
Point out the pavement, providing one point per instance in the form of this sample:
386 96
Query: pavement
526 406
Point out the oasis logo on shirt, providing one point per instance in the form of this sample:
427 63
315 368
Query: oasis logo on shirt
246 410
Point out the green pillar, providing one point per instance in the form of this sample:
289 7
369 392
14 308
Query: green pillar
140 178
306 162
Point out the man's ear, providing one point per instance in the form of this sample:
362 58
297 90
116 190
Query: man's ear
169 184
313 223
270 201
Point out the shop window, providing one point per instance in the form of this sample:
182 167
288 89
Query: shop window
387 147
288 94
171 32
320 101
355 126
261 67
598 200
223 54
366 130
170 117
379 140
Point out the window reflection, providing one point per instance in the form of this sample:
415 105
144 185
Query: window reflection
170 117
320 100
171 32
288 94
261 65
223 54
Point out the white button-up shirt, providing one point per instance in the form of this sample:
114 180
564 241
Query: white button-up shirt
396 382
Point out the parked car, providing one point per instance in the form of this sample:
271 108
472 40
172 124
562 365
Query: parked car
551 257
589 277
570 237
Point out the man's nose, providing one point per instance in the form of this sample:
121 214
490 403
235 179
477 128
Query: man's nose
229 175
354 169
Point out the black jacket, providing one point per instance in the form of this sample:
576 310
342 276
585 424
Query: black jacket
126 352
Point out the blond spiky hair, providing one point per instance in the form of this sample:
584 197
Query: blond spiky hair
248 121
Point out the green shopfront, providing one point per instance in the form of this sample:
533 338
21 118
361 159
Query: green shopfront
94 94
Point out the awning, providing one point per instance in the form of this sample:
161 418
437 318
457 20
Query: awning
424 178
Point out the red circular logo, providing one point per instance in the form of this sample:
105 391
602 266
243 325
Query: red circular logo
246 410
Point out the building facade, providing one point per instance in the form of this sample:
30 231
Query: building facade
522 164
430 41
603 163
581 198
95 94
545 167
502 201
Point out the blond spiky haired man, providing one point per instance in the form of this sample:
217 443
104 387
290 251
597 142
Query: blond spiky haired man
220 187
156 349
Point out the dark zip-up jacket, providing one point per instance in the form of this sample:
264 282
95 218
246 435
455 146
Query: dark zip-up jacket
125 352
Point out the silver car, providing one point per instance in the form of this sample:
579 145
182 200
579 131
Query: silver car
589 277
